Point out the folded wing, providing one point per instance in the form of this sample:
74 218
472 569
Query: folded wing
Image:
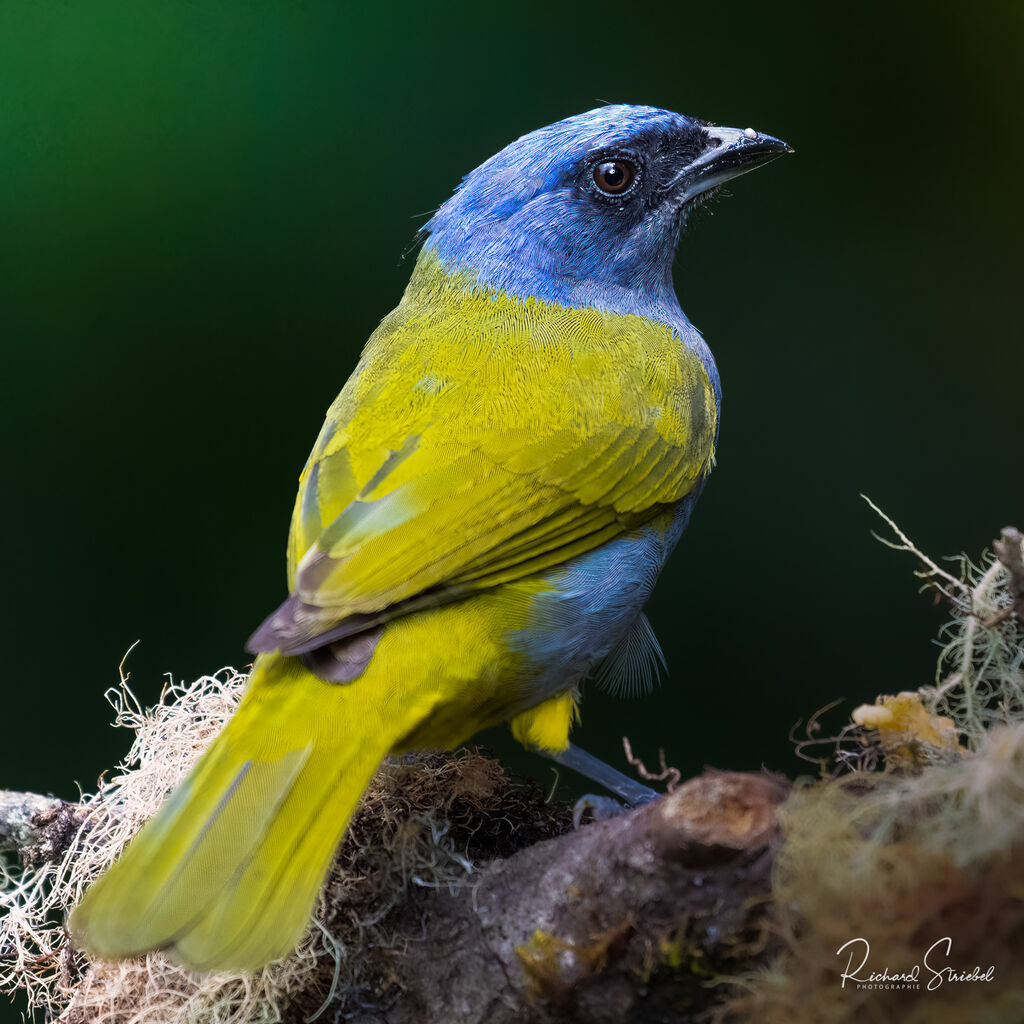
469 450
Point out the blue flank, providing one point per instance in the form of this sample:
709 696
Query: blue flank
594 600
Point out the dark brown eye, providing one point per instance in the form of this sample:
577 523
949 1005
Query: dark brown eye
613 177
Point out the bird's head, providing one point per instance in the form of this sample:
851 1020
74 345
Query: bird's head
587 211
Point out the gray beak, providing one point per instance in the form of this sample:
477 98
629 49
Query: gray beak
731 152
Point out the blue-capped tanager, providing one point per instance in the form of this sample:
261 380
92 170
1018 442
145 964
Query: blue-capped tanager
482 518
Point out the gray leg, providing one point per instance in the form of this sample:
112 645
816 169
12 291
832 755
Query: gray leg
629 790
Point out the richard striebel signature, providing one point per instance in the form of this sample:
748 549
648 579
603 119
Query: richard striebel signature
936 973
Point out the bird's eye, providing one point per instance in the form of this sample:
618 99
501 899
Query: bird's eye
613 177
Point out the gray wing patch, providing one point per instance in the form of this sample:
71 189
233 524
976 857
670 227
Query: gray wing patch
343 660
634 664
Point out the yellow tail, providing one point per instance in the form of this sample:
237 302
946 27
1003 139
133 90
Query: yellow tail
227 872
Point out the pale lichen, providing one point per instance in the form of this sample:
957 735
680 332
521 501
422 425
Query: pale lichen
424 823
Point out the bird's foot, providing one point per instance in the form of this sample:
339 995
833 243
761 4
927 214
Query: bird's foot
629 791
599 808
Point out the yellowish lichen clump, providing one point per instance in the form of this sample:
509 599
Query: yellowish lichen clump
909 735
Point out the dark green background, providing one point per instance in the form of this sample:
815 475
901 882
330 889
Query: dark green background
203 210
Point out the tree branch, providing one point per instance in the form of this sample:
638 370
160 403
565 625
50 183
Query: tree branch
35 826
625 919
622 919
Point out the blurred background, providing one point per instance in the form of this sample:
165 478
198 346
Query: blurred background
203 214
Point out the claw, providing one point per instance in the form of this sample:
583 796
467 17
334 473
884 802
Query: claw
601 808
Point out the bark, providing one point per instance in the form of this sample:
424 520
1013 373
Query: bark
38 828
1009 549
623 920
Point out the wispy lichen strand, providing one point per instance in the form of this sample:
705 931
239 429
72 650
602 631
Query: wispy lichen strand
979 675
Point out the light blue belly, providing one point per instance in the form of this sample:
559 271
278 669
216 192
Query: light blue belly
593 601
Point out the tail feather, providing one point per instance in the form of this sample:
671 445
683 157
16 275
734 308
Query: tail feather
227 872
264 912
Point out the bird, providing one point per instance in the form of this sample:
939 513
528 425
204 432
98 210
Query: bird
477 529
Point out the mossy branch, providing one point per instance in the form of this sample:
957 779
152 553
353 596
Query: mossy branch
623 918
